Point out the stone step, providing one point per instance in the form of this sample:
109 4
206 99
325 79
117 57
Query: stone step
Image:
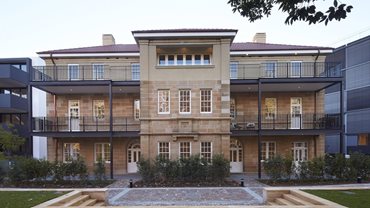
282 201
296 200
305 198
272 204
66 198
89 202
77 201
99 204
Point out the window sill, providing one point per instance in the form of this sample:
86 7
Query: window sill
185 67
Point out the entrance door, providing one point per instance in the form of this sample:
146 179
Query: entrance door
133 156
296 113
236 156
74 115
300 152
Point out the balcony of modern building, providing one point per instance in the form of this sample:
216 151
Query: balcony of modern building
14 72
13 100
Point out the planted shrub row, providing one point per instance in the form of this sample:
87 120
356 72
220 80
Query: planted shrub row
320 168
30 169
191 169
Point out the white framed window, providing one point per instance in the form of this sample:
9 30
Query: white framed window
295 68
270 69
232 108
102 152
268 150
184 59
163 101
270 105
98 109
234 65
137 109
185 101
73 71
135 71
206 150
71 151
98 71
164 150
206 101
185 150
300 151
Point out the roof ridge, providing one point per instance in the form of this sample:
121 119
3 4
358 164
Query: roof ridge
281 44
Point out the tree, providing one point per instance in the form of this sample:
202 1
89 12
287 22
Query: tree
298 10
9 140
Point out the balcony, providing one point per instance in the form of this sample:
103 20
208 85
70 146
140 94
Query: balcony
13 104
93 72
287 122
83 124
292 69
11 77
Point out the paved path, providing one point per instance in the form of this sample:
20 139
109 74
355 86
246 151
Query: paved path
251 194
185 196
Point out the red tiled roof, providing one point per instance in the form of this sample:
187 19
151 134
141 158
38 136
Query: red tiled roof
251 46
185 30
133 48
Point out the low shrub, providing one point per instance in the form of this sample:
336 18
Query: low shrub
99 170
276 168
192 169
23 169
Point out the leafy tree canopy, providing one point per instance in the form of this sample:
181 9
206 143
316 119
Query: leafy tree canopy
297 10
9 140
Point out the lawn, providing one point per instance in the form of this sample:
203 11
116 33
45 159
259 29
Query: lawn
23 199
349 198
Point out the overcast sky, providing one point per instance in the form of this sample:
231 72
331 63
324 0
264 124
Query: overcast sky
28 26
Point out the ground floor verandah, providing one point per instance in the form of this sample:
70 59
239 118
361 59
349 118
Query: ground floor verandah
121 156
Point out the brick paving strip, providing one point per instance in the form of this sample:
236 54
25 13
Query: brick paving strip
212 196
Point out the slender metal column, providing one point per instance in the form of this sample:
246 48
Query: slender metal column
29 130
111 129
341 142
259 128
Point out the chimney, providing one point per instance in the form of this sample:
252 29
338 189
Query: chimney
259 38
108 39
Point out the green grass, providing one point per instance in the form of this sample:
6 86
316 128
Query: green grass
349 198
23 199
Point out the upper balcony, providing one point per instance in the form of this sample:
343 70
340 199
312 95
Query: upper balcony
311 123
10 103
76 72
84 126
292 70
12 76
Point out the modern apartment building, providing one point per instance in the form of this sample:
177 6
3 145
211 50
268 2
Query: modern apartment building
14 102
353 61
183 92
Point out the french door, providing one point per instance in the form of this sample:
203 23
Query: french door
295 113
74 115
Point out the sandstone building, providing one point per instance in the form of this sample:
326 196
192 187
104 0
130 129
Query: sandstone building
181 92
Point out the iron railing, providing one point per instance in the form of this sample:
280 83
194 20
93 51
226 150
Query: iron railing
85 72
284 70
286 121
84 124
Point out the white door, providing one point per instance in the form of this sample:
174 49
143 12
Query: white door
236 156
234 70
73 71
270 69
295 69
300 153
74 115
295 113
133 156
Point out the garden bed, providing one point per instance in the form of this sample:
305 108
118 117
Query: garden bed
308 182
59 184
225 183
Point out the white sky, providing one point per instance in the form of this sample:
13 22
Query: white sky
28 26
